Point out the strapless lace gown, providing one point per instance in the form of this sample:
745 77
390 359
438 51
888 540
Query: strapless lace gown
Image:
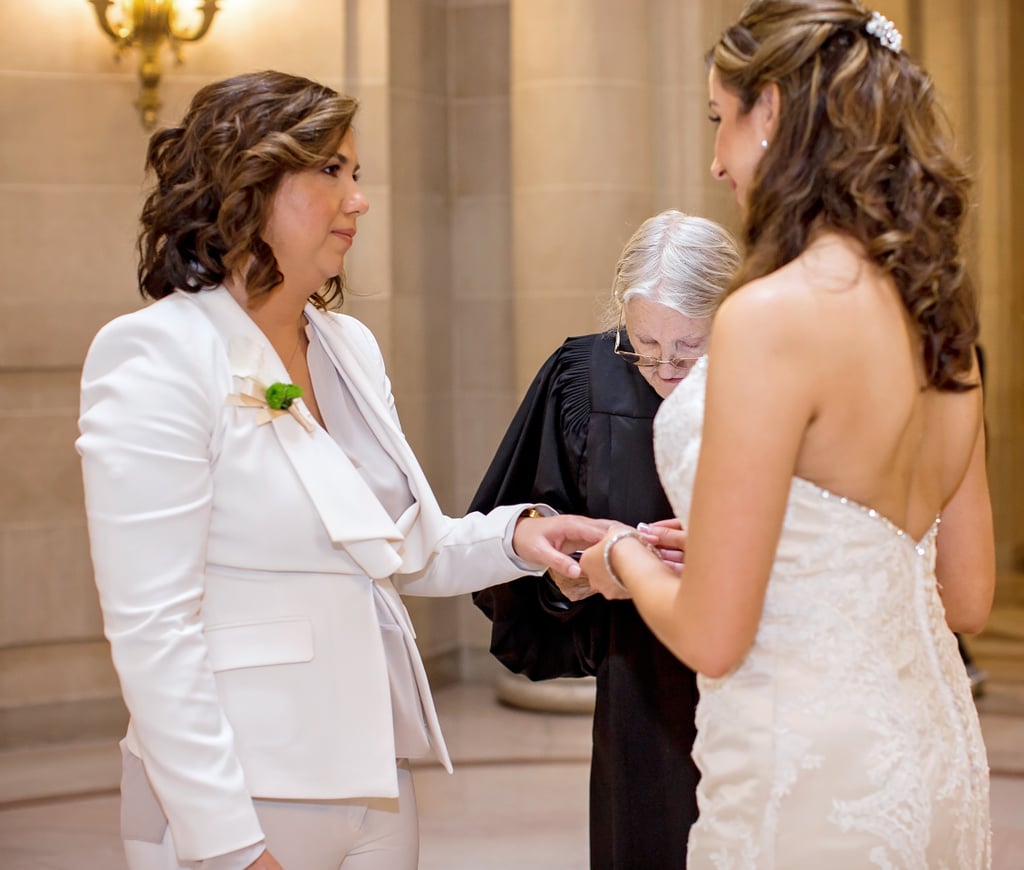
848 737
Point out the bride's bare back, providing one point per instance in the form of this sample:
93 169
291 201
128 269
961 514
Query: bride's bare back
879 434
818 373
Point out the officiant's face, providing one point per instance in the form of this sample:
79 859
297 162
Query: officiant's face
666 343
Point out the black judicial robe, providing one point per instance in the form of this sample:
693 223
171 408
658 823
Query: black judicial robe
581 442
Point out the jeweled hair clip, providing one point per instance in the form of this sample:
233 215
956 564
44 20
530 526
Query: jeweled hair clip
885 32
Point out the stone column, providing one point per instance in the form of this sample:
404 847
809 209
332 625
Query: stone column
683 146
997 94
581 181
581 160
966 48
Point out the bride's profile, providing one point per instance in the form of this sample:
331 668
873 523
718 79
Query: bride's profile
827 461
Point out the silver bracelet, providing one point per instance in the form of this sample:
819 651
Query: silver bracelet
611 542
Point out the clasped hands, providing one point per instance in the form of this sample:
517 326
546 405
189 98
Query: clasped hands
581 534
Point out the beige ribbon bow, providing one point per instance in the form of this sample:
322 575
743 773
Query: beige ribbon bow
264 413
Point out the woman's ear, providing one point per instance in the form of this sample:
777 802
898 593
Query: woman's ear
768 104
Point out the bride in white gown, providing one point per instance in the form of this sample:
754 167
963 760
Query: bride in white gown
827 461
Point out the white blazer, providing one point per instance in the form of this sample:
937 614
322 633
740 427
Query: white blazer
237 565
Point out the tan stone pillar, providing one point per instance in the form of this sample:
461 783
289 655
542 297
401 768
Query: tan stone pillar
1011 357
608 126
581 179
581 160
998 266
681 34
966 48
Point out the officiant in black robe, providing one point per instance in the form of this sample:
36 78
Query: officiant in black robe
581 442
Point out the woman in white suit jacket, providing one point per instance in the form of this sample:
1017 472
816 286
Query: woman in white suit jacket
249 545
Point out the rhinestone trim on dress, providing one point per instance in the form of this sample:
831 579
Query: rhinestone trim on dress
920 547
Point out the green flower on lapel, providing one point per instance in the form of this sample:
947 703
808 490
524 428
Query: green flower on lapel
280 396
271 402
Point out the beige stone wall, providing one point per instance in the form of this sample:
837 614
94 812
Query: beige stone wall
966 48
997 124
483 336
420 357
1011 389
609 126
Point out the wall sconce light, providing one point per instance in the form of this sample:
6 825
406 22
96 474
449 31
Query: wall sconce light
147 25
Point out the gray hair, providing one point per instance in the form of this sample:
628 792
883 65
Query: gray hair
677 260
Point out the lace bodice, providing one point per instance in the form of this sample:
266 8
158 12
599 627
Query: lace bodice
849 729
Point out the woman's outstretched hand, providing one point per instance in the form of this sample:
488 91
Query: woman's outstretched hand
548 541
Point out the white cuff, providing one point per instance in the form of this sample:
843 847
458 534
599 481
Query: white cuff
506 542
237 860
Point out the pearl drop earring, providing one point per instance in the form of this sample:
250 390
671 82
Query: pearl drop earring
764 143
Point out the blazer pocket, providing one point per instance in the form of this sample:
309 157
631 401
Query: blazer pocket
258 644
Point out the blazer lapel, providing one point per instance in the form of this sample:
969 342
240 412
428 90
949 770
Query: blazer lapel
422 534
366 394
352 516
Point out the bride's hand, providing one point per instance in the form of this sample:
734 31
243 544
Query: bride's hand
669 537
592 562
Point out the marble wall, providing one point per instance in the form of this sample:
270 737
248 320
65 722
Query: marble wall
509 148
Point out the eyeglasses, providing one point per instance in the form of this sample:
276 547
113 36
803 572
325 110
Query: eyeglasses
680 363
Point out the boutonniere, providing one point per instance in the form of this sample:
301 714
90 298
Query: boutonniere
269 402
277 399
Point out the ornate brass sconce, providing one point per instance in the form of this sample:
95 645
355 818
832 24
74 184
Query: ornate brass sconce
147 25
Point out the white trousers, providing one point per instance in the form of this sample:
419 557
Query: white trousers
369 834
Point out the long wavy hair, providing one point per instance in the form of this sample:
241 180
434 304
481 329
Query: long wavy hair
862 148
216 175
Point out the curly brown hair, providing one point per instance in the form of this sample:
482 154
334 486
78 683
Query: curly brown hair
861 147
216 174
